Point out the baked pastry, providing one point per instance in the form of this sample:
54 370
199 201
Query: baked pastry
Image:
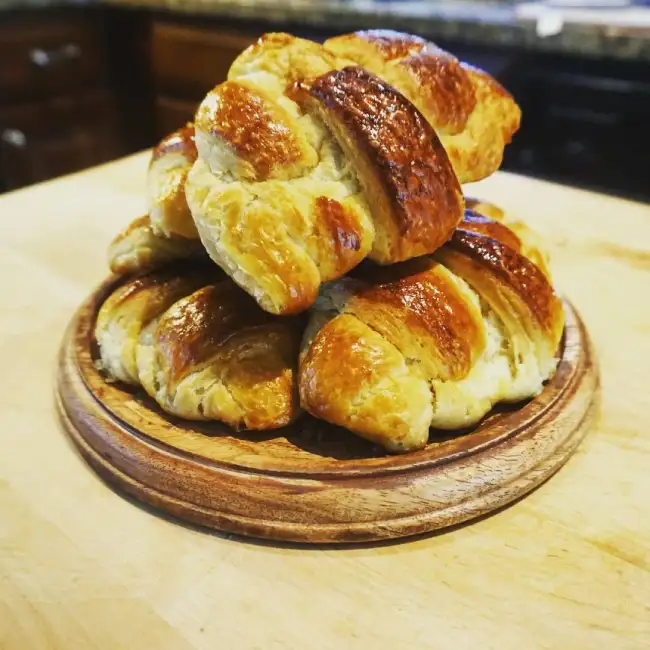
473 115
309 159
432 342
170 162
202 349
531 243
215 355
139 248
283 204
132 307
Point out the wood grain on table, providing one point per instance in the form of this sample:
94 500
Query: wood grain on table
81 567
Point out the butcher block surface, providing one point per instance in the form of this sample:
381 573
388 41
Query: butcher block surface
82 567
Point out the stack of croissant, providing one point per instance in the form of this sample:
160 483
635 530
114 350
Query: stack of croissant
308 248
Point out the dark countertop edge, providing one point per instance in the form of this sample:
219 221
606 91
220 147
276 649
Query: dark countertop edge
497 27
26 6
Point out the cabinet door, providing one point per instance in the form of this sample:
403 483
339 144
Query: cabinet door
171 114
44 56
189 61
78 133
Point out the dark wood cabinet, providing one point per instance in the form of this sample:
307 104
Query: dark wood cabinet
78 87
42 140
43 55
584 123
57 110
187 62
173 113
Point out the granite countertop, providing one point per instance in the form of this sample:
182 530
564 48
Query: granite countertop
471 21
615 33
20 5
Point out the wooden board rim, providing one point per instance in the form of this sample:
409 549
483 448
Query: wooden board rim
127 458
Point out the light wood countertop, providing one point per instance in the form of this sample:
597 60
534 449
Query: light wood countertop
80 567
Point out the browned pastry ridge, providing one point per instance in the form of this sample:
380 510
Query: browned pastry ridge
132 307
530 241
474 116
170 163
398 158
432 342
202 348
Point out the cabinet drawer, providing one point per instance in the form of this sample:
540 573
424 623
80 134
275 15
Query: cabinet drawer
604 102
172 114
190 61
49 56
79 132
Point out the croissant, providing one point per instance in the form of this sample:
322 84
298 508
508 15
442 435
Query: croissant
282 204
132 307
139 248
474 116
529 240
170 163
435 342
202 349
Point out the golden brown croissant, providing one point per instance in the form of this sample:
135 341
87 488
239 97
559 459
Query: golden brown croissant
138 248
168 232
529 240
170 162
295 185
202 351
474 116
432 342
131 308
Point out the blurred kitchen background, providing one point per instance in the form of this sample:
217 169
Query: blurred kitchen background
86 81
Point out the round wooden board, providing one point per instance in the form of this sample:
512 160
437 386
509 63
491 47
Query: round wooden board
313 482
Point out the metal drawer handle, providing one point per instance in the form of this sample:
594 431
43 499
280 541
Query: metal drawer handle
42 58
15 138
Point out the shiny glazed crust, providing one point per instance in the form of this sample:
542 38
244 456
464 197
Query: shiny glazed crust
171 160
474 325
139 248
202 351
217 355
132 307
400 162
474 116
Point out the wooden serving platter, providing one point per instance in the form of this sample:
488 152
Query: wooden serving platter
313 482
